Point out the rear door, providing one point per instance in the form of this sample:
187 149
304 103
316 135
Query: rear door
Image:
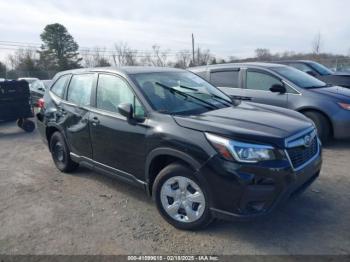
75 111
229 81
257 88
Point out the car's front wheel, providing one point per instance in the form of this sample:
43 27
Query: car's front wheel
180 198
60 153
322 125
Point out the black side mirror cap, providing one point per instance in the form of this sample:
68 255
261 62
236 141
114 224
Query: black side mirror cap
277 88
125 109
311 73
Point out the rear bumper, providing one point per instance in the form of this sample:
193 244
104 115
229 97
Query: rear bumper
341 124
41 127
247 192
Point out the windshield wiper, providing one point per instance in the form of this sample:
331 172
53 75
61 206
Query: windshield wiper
210 94
313 87
173 90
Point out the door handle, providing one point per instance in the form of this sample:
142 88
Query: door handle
95 121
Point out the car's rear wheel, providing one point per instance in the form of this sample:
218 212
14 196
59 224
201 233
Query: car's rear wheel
322 125
28 125
60 153
180 198
19 122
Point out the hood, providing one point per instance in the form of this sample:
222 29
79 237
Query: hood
249 122
342 74
333 91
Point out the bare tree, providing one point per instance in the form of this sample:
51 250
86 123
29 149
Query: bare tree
204 57
263 54
183 59
95 57
157 57
317 44
124 55
22 59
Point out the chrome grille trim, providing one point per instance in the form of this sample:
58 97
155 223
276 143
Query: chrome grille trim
298 135
298 141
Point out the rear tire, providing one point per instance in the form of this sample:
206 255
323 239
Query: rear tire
28 125
19 122
181 199
322 125
61 154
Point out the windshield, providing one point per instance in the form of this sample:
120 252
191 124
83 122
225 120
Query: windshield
321 69
298 77
180 92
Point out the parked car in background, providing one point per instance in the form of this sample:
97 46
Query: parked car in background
28 79
37 89
181 139
326 105
47 83
320 71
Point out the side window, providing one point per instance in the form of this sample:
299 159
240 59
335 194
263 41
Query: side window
79 90
225 78
202 74
112 91
290 90
261 81
59 87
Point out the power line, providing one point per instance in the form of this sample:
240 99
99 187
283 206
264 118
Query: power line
88 49
111 54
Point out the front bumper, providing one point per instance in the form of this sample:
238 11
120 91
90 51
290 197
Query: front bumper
341 124
248 191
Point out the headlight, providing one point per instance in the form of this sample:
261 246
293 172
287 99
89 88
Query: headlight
344 106
241 151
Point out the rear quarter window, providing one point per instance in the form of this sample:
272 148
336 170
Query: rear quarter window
202 74
225 78
59 86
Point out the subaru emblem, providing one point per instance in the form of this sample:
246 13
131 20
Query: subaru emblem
307 141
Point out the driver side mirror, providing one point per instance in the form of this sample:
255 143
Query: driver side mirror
125 109
311 73
278 88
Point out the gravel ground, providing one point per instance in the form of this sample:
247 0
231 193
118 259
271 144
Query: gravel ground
45 212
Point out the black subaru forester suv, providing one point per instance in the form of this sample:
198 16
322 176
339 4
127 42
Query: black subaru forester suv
196 152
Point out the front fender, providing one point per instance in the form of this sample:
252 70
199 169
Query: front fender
169 152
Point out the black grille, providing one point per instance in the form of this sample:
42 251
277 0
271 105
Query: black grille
301 154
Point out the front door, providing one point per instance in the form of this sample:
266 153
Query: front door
257 88
116 141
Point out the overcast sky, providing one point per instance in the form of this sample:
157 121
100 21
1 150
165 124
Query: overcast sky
226 27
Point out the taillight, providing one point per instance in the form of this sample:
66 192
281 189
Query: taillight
40 103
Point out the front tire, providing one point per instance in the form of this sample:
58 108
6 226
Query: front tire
322 125
61 154
181 199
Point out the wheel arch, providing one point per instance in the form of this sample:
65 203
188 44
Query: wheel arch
160 158
50 129
312 109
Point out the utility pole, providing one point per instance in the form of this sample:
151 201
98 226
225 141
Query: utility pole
193 61
198 55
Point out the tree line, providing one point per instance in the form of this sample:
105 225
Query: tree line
59 51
